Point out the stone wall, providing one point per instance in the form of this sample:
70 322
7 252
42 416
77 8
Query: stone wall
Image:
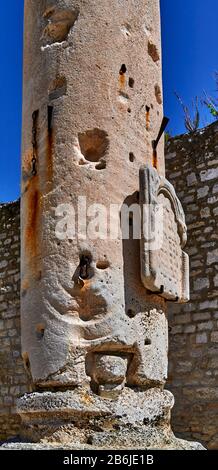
13 380
192 167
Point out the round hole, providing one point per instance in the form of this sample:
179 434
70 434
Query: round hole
123 69
131 313
101 165
131 82
102 264
129 110
85 270
131 157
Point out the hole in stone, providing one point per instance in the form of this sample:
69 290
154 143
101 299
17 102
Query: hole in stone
90 440
131 82
131 157
124 95
123 69
40 330
85 270
129 110
58 88
60 22
116 427
94 144
147 342
102 264
147 117
153 51
146 421
101 165
158 94
50 116
26 361
131 313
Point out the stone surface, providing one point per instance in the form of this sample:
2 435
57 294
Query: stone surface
164 267
94 340
81 147
79 419
193 327
13 380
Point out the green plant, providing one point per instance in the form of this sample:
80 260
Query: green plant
168 136
210 102
191 123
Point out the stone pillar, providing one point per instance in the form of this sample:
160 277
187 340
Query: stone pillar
94 331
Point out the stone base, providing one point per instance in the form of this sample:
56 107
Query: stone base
154 442
79 419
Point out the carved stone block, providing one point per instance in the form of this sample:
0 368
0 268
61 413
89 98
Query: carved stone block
164 264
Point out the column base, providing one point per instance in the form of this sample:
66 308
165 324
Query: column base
79 419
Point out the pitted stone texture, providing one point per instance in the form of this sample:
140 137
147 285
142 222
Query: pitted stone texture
136 418
130 407
142 439
82 139
110 369
60 21
164 268
89 95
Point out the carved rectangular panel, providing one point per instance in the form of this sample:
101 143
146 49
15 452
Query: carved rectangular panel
164 264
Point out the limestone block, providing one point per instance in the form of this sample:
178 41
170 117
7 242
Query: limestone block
164 265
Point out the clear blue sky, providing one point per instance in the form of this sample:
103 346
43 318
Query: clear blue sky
190 56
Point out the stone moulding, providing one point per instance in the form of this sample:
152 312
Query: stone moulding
82 420
164 269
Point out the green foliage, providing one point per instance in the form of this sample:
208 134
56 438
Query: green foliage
192 119
191 123
212 102
167 137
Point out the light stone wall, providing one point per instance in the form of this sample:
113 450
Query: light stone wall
192 167
13 379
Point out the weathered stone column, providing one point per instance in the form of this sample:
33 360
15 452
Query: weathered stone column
94 326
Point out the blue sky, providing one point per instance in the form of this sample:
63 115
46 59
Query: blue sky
190 57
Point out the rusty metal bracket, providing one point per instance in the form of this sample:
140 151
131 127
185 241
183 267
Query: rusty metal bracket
163 126
34 142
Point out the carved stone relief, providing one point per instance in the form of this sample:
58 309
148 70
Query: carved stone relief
164 264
